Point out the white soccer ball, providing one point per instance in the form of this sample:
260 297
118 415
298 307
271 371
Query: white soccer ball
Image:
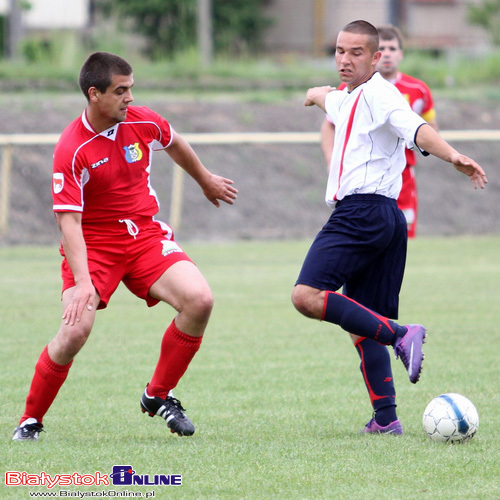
450 418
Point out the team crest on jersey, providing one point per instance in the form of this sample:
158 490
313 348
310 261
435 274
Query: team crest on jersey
133 153
58 182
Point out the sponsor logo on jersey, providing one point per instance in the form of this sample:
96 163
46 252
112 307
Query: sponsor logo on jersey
99 163
170 247
58 182
133 153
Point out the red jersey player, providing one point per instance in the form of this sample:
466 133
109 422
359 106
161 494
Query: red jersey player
418 95
105 208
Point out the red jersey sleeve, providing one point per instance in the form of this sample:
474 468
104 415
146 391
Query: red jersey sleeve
164 132
68 175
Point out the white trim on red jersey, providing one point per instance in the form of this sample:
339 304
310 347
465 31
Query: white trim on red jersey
106 176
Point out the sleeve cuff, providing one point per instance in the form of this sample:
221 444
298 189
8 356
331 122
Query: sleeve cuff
424 153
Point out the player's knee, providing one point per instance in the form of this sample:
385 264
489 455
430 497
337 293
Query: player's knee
200 303
72 339
206 302
301 300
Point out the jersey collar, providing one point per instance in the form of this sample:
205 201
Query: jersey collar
109 133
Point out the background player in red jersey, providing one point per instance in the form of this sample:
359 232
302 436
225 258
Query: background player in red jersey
418 95
105 208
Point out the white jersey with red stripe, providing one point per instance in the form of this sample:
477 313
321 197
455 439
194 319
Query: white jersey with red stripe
372 125
106 176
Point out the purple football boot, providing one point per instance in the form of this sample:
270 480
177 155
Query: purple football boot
373 428
409 349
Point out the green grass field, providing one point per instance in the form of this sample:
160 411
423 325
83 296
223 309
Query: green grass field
277 399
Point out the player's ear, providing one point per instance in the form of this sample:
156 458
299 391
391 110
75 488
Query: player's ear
93 94
376 57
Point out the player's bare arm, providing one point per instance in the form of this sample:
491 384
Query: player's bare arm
214 187
70 224
429 140
317 95
433 124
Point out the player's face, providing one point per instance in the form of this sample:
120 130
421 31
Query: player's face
392 55
113 104
355 60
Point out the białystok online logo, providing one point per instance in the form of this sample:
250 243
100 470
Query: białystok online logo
125 475
122 475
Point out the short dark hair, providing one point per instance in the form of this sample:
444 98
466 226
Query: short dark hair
390 32
361 27
98 70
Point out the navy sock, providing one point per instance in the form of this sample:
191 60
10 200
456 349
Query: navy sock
377 373
357 319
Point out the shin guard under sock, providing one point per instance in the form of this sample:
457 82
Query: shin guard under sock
47 380
355 318
177 351
377 373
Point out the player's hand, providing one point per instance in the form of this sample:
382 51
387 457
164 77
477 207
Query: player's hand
219 188
82 299
317 95
470 168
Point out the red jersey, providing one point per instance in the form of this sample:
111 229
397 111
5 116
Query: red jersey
106 176
419 96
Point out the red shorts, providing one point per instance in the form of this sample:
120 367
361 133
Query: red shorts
408 201
136 252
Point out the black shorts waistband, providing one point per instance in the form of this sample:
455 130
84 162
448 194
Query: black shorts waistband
368 198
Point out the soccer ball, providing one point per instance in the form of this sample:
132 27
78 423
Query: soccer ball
450 418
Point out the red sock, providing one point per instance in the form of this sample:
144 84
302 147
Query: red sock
47 380
177 351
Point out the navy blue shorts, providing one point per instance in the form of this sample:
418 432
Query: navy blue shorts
363 248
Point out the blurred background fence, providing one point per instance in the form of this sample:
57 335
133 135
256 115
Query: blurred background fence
240 61
281 179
